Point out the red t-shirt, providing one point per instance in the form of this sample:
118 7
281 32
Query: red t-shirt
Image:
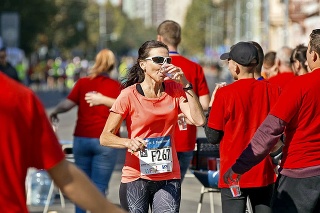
186 139
238 110
298 105
149 118
281 79
91 120
27 140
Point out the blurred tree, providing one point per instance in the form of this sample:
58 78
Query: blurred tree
132 35
72 27
194 29
124 34
91 17
68 28
35 16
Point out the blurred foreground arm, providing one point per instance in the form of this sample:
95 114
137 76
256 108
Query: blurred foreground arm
75 184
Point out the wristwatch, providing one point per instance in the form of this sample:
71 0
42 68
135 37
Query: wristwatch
188 87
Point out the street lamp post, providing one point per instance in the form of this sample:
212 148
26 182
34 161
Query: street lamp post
286 22
102 24
266 24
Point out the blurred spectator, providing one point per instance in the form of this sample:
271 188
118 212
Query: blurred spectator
38 75
21 68
94 96
6 67
283 67
268 64
298 60
125 64
50 75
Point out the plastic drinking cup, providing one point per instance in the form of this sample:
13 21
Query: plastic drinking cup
235 188
163 70
182 123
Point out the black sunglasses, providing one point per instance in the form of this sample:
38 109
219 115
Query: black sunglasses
160 60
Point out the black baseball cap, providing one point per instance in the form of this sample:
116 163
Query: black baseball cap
243 53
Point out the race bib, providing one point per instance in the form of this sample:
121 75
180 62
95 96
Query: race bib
157 156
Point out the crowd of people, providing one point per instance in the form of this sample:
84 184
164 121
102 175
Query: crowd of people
269 107
251 119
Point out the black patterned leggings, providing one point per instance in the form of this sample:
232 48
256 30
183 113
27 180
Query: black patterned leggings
161 196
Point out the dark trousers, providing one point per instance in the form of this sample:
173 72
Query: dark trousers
260 199
296 195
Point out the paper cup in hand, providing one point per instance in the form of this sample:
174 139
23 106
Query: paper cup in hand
182 123
55 125
164 71
234 187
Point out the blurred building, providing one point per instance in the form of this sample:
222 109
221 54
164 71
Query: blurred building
272 23
153 12
304 16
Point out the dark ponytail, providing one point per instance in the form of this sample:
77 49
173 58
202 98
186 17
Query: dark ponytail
300 53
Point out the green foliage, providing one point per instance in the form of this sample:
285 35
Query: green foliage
69 25
66 30
132 36
35 16
194 29
124 34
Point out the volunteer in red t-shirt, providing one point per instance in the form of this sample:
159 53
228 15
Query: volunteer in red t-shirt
94 96
169 32
150 107
236 112
298 60
27 140
297 188
283 67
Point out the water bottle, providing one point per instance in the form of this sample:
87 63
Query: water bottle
213 177
40 186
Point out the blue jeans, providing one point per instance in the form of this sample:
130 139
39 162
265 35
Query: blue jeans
184 161
95 160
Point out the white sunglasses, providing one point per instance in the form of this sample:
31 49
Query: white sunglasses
160 60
